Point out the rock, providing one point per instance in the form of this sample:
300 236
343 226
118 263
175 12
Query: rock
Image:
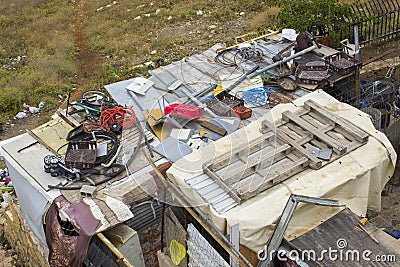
212 27
169 18
149 64
153 52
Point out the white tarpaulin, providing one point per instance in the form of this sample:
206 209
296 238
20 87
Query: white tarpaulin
356 179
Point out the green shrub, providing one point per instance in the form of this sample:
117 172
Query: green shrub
330 17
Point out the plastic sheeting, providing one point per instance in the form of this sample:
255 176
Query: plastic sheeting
356 179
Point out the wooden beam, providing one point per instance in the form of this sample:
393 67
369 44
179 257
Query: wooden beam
227 155
274 176
221 184
314 162
337 146
114 250
359 134
232 175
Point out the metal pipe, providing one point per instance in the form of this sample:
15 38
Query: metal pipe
356 43
241 79
197 102
278 63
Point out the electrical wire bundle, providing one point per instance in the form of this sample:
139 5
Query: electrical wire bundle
239 55
123 116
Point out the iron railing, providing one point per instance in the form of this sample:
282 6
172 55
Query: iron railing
380 20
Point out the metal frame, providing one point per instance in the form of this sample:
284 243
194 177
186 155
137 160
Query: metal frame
274 242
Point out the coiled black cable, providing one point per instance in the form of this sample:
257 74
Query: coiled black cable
120 168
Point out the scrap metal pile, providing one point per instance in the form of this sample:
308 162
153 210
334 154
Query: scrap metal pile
94 144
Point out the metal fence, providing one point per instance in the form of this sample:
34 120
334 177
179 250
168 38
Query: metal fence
381 20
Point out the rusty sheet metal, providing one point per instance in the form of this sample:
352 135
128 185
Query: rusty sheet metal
69 227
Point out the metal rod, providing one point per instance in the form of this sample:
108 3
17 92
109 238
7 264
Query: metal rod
356 44
141 107
197 102
241 79
278 63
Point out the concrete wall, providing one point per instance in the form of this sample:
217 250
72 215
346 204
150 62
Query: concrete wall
30 251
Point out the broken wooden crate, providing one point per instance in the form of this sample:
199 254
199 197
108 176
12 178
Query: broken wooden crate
285 149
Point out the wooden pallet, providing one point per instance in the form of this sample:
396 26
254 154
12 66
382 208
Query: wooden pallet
285 149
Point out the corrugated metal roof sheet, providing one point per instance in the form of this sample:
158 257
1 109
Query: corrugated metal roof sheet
338 234
197 73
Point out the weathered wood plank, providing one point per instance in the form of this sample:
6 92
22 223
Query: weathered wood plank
359 134
337 147
225 157
314 162
234 174
279 173
227 189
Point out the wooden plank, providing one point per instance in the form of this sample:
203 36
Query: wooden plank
314 162
337 147
316 123
292 134
318 144
227 155
321 127
297 129
68 118
279 173
360 135
114 250
232 175
338 138
345 134
213 127
224 187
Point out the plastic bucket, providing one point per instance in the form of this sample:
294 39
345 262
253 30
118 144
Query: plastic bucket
386 110
375 116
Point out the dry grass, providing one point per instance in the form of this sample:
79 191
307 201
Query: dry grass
123 33
38 33
134 32
120 34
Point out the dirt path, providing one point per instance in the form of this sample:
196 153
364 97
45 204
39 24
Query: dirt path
89 66
88 63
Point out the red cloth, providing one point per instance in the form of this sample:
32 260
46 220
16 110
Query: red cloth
68 241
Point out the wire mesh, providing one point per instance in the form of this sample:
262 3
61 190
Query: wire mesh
380 99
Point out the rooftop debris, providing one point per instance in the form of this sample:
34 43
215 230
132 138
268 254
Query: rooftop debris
105 146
